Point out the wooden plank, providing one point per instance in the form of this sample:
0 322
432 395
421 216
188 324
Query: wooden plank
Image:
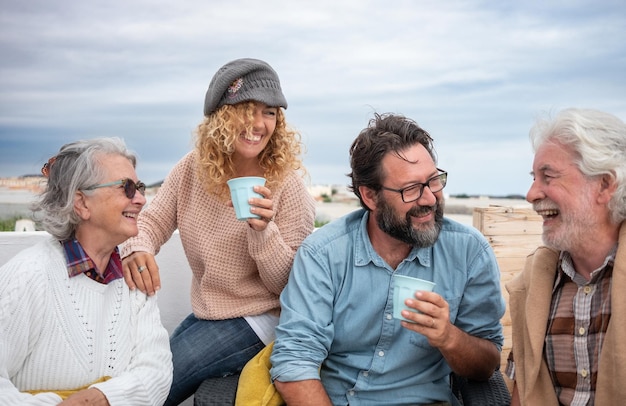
513 246
510 264
513 234
499 220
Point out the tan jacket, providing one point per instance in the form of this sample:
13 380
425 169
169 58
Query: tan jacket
529 299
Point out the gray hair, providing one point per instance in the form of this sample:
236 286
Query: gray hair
599 141
75 167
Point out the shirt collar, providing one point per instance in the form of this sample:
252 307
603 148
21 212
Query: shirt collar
365 253
566 268
78 262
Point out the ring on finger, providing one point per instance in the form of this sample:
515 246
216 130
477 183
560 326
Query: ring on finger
432 322
141 269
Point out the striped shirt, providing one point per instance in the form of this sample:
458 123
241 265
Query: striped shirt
79 262
579 316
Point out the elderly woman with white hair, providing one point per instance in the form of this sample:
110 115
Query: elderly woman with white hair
71 331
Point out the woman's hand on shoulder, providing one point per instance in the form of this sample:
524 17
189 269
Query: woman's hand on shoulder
142 272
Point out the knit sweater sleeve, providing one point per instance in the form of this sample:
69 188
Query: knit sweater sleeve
23 296
158 221
274 248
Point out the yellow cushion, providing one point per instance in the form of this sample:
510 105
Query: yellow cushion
64 394
255 386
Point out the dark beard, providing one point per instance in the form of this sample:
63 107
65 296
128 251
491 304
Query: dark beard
389 223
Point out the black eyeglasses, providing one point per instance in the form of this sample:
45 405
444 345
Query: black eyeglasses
130 187
412 193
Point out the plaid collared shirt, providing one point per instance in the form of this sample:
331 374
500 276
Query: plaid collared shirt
579 316
79 262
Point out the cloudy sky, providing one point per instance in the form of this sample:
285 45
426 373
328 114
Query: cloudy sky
473 73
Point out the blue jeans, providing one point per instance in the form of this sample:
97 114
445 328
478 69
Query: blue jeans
204 349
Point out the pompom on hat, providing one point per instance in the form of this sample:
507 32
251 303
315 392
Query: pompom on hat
243 80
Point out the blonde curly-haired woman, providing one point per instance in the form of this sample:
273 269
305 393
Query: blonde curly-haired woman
239 267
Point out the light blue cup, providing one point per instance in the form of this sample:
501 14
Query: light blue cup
404 288
241 190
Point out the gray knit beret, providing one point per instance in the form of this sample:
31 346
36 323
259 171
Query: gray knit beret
242 80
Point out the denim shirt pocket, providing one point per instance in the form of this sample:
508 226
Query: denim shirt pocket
421 341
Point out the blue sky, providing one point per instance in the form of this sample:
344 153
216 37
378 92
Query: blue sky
475 74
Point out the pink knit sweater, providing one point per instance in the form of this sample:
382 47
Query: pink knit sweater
236 271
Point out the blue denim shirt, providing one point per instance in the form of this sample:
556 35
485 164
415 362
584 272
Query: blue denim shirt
336 321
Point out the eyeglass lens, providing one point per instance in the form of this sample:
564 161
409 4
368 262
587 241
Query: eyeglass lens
435 185
130 188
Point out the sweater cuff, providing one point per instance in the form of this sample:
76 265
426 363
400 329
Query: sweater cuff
263 237
126 248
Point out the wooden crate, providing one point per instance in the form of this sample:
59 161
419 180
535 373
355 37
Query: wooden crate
513 232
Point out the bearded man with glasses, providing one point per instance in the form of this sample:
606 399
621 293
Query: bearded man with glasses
337 342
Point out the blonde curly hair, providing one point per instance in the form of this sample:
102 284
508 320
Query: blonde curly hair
215 143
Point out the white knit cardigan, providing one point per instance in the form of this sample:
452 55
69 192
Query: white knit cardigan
59 333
